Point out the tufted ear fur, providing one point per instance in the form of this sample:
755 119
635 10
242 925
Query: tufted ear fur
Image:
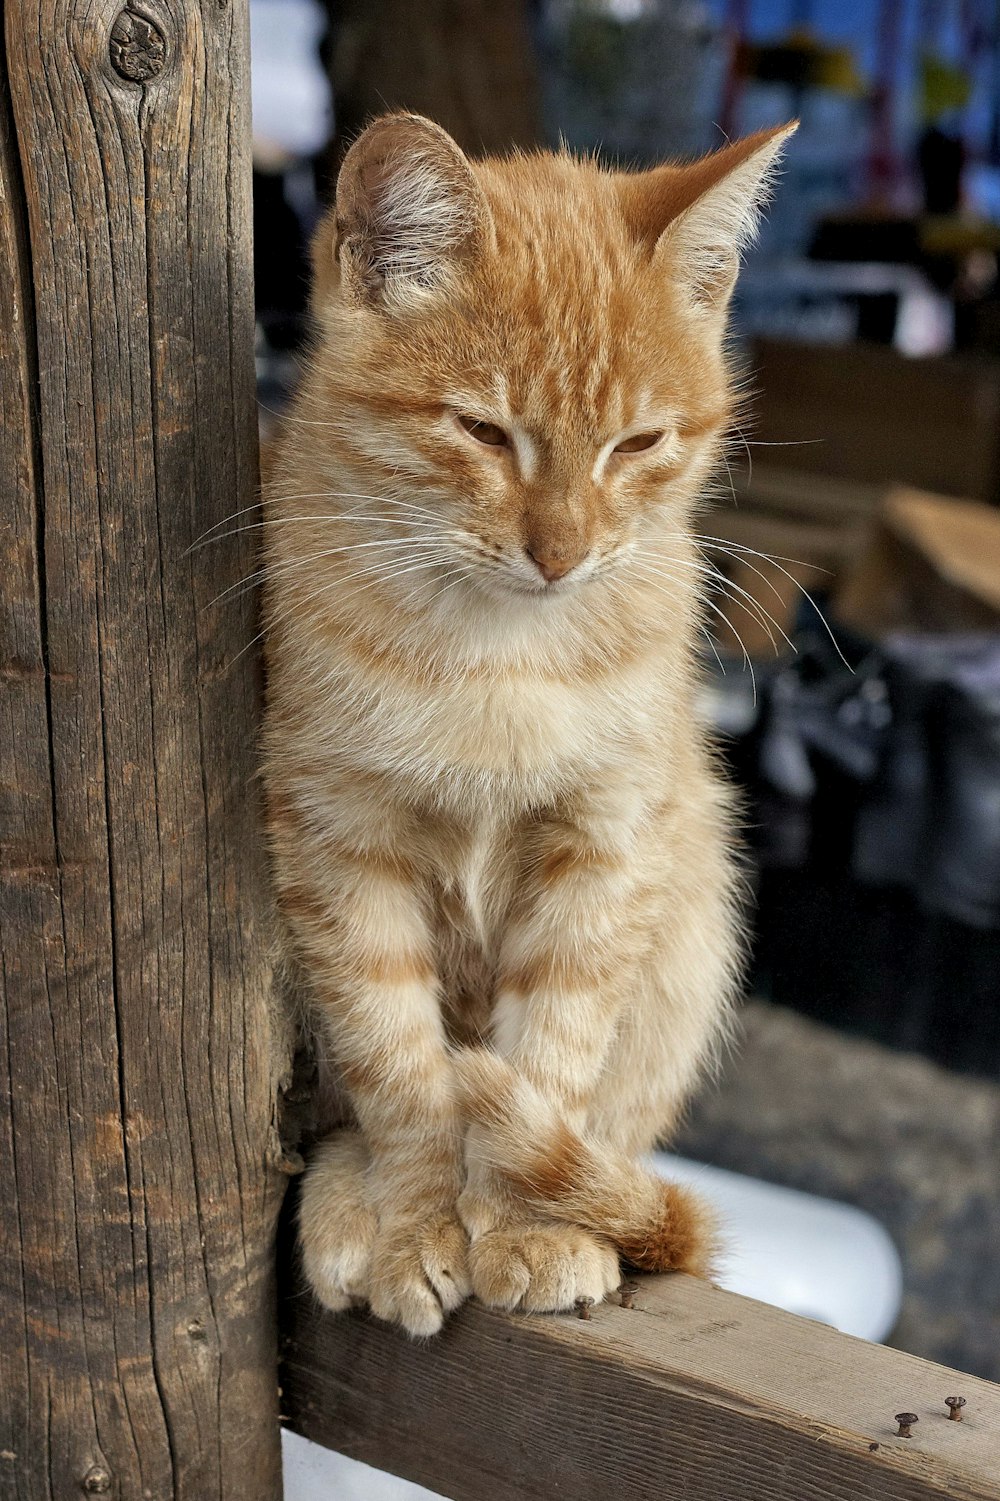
408 211
698 218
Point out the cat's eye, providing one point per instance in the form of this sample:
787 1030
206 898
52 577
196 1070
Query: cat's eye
484 432
638 443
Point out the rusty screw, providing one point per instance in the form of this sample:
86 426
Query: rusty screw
906 1421
583 1307
137 48
628 1291
97 1481
954 1405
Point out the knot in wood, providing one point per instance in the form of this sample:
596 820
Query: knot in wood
97 1481
138 50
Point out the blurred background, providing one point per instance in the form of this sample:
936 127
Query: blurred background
854 667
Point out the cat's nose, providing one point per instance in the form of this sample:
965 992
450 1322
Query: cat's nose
551 565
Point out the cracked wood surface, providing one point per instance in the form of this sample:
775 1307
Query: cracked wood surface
694 1393
137 1340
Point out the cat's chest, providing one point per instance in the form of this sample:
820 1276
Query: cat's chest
503 731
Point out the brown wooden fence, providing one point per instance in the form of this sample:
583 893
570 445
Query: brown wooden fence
137 1334
139 1161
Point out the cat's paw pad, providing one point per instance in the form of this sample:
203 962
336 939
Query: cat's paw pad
542 1268
419 1273
337 1225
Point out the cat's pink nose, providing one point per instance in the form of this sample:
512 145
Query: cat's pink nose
551 565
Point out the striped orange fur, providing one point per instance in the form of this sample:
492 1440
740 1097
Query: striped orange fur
494 820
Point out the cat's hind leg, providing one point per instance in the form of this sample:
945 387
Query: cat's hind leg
337 1224
350 1257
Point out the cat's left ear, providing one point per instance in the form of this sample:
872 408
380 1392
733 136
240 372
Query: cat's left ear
698 218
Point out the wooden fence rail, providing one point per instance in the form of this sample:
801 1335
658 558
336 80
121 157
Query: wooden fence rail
692 1395
137 1332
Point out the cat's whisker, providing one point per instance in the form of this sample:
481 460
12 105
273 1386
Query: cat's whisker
273 497
712 647
282 570
739 434
653 578
243 511
729 476
277 497
463 574
730 589
722 545
381 572
350 518
294 419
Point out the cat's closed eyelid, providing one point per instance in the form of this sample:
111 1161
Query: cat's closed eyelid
653 441
639 442
489 434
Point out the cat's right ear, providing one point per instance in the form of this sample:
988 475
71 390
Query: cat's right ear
409 211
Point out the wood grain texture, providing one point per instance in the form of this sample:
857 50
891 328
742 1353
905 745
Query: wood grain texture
136 1119
694 1393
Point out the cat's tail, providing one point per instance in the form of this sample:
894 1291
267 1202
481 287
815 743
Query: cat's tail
656 1226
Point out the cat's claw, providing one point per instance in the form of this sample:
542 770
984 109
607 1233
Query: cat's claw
542 1268
419 1273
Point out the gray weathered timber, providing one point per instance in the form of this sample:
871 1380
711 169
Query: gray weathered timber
137 1341
693 1393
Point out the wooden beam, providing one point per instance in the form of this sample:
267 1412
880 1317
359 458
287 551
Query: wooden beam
137 1334
693 1393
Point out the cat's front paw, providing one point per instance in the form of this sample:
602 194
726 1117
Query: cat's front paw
419 1272
542 1267
337 1224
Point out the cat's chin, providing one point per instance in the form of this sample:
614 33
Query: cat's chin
517 590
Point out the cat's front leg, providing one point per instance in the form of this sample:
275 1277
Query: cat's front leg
565 968
361 931
419 1263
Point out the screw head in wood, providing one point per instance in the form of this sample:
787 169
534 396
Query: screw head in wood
137 47
583 1307
97 1481
628 1291
954 1405
906 1421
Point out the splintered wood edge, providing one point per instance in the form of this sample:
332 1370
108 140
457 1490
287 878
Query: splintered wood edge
692 1393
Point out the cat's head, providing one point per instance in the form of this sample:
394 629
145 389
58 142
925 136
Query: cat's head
529 351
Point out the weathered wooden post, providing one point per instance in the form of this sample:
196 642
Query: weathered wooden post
138 1195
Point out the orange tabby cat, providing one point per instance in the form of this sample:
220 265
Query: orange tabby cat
499 840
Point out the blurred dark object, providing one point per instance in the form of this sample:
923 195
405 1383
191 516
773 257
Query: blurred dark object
280 261
932 821
942 159
873 770
874 820
880 418
869 237
800 60
956 251
471 67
